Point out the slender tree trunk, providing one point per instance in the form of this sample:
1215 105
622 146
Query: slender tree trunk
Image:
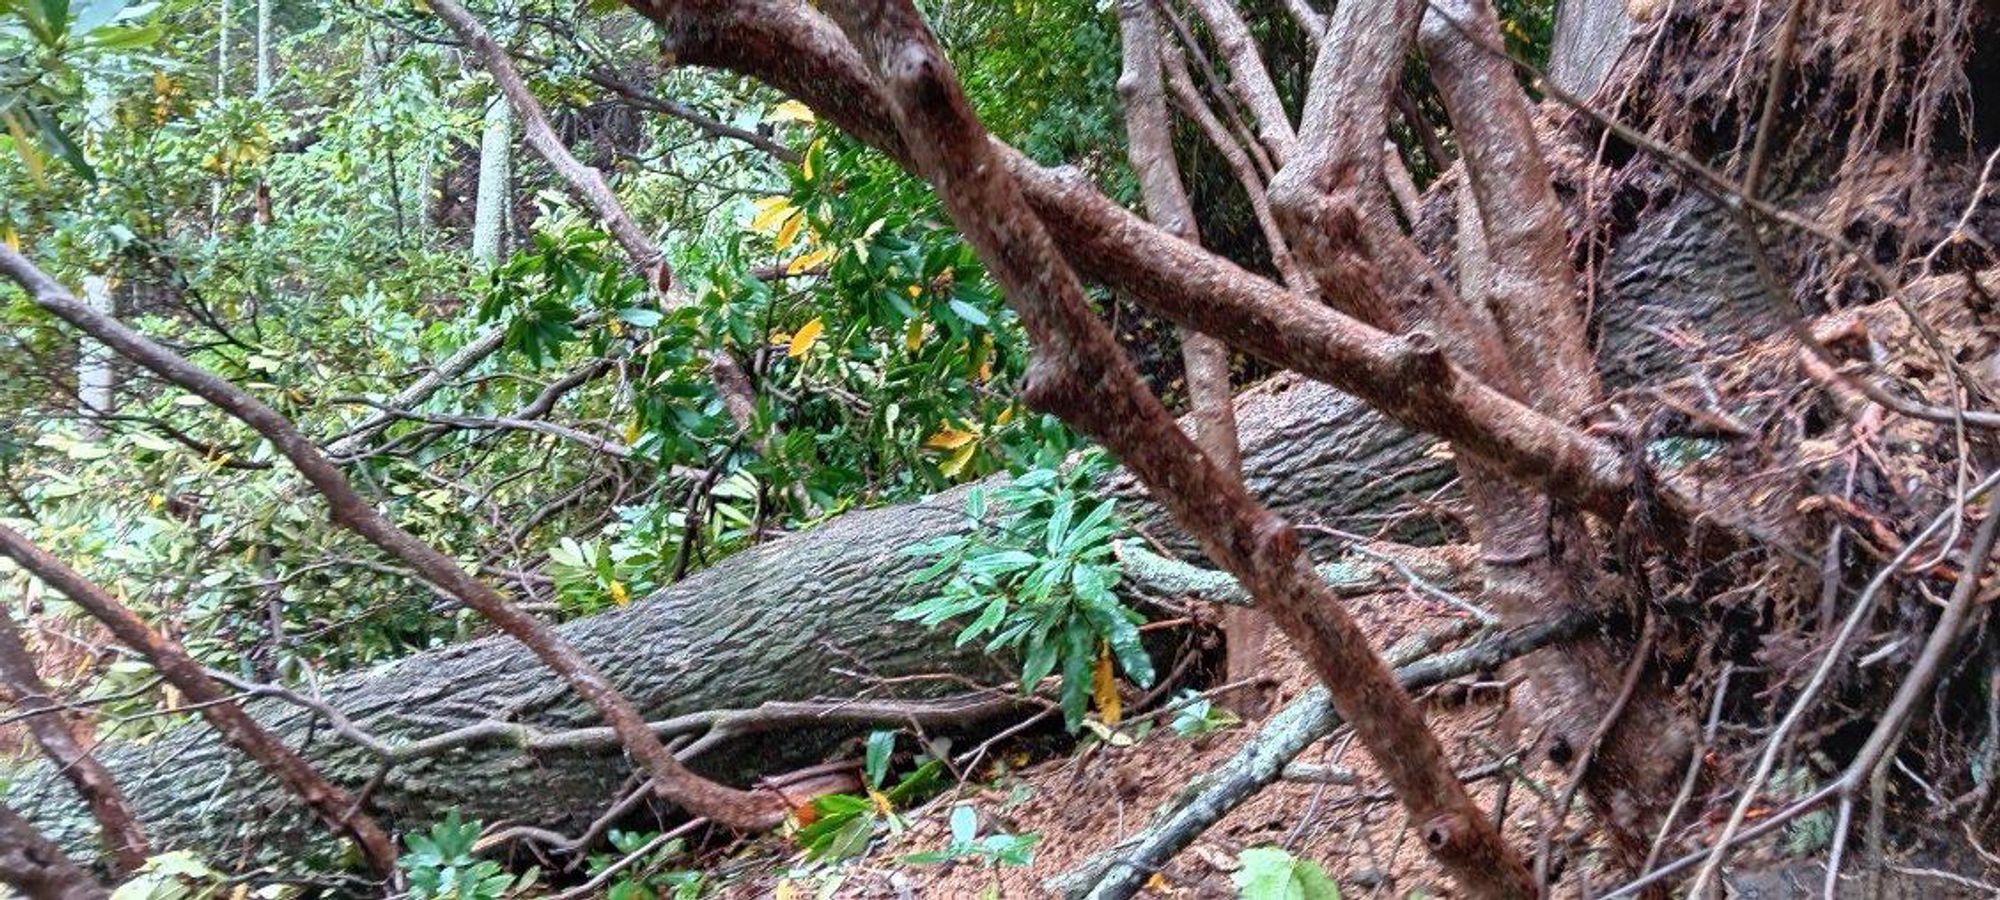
1149 146
95 378
263 48
262 198
223 10
496 147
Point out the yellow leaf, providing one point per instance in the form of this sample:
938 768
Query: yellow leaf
916 290
1006 415
913 335
949 438
1104 687
619 594
806 161
632 432
25 146
956 462
770 212
805 339
809 261
12 238
790 111
789 232
1158 884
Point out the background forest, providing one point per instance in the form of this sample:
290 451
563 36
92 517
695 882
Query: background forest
469 353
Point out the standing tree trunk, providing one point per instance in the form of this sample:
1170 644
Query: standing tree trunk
95 378
1149 146
263 48
496 147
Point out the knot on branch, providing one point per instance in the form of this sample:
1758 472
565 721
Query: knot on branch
1422 361
1274 543
1444 831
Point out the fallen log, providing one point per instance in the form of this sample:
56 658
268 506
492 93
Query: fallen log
785 621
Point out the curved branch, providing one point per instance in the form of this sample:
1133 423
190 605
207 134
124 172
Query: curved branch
735 808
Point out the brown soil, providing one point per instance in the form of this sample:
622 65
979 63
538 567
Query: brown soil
1084 802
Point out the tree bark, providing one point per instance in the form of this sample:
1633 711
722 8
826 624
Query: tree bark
783 621
1150 148
29 863
1590 36
495 153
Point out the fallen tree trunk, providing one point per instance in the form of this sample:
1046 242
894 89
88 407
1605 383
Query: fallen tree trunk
789 620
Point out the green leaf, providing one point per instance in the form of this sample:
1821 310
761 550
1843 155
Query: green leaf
964 824
841 804
57 140
987 621
1268 873
1000 562
1076 662
643 318
126 37
875 765
968 312
1040 661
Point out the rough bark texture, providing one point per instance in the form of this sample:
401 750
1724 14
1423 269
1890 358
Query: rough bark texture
32 865
772 623
1590 35
306 787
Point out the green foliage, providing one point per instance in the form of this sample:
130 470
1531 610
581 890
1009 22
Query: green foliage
440 865
1197 716
995 849
1039 582
649 877
1269 873
174 875
843 825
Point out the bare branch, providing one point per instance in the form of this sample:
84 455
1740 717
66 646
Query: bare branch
735 808
1247 76
1079 373
171 660
123 838
588 184
797 50
36 867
